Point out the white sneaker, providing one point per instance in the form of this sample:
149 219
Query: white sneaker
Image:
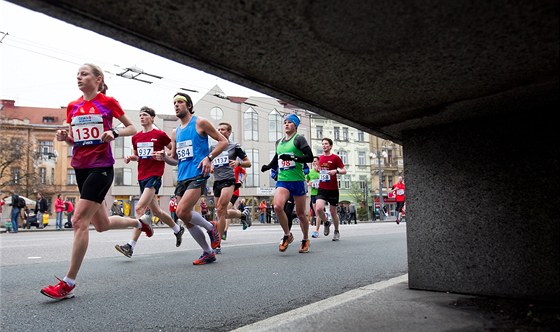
336 236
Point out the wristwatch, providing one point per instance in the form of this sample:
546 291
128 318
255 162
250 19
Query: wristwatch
115 132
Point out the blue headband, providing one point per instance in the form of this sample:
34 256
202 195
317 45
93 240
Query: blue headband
293 118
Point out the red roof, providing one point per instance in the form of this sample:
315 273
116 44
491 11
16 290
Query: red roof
35 115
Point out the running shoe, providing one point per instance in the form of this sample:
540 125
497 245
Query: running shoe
224 236
286 240
59 291
304 246
146 221
244 224
327 228
247 217
218 250
315 235
207 257
179 236
336 236
125 250
215 238
398 221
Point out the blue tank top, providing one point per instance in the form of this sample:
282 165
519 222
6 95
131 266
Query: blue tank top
191 149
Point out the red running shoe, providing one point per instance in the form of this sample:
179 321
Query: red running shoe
215 238
205 258
146 222
59 291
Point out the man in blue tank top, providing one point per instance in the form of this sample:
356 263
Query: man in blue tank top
192 155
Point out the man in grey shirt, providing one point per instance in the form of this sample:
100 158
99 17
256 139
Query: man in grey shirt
224 178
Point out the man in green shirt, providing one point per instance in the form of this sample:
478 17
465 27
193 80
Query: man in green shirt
312 179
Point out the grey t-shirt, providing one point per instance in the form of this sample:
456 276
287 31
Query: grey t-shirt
222 170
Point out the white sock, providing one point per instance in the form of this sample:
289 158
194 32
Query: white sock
176 229
200 238
69 282
198 219
132 244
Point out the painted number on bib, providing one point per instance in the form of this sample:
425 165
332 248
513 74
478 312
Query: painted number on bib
145 149
324 176
221 160
287 164
185 150
87 129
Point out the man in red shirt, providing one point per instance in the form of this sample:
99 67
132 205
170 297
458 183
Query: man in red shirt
150 170
329 166
398 191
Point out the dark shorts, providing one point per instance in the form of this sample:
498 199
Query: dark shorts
94 183
192 183
296 188
313 199
399 206
234 199
151 182
330 196
221 184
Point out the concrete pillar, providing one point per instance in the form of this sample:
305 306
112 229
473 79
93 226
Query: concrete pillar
483 207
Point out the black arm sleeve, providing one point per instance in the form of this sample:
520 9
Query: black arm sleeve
301 143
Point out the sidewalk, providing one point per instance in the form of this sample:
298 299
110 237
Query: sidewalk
391 306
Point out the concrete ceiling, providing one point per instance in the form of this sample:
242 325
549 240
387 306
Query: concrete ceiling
383 66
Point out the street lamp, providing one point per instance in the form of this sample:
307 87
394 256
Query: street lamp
378 154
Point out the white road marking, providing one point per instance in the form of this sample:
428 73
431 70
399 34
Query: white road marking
317 307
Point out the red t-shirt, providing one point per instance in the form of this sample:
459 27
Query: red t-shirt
89 119
327 163
239 173
146 143
400 192
172 205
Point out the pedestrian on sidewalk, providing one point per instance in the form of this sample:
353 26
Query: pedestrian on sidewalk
59 209
41 208
69 209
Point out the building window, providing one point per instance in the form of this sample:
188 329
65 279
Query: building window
390 156
48 119
319 132
362 158
346 180
253 172
15 175
345 134
52 176
42 175
390 181
216 113
250 125
274 126
344 156
123 177
46 148
336 133
71 177
361 136
363 181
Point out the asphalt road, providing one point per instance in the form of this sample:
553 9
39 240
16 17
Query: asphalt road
160 290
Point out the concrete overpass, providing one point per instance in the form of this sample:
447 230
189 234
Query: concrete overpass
469 88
